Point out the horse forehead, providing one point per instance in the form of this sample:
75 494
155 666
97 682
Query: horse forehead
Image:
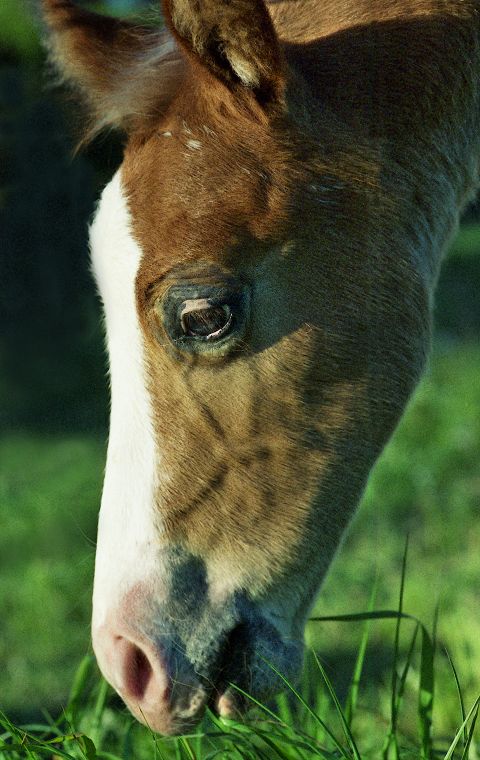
194 189
190 159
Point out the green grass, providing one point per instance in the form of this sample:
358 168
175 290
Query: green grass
49 493
304 723
427 484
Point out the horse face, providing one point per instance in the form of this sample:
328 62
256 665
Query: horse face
266 322
259 359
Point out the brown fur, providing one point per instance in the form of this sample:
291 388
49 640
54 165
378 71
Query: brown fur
241 200
326 170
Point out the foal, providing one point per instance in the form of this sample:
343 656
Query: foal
266 256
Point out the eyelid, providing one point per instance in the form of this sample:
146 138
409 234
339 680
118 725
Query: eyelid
196 304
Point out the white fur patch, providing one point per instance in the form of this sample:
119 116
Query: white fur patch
127 542
244 69
194 144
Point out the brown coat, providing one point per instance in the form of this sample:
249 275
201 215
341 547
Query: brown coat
315 155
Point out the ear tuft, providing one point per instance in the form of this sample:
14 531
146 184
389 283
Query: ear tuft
234 39
245 71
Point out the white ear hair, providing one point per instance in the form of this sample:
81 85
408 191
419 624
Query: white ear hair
236 41
245 71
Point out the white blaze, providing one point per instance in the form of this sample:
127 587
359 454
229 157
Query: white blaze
126 545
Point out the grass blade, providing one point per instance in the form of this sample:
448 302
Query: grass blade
425 705
470 736
460 696
408 662
426 693
283 708
189 751
391 740
459 734
257 703
79 685
352 697
310 711
298 743
345 726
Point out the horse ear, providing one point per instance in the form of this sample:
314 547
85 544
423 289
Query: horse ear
127 73
235 40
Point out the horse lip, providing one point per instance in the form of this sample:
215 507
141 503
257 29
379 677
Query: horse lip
182 715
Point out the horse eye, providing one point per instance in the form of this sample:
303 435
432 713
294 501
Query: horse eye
207 320
204 320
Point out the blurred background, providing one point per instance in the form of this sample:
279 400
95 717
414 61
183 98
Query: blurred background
54 414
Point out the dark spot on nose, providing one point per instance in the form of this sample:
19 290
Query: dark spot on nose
188 585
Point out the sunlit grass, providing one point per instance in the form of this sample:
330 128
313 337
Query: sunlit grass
427 483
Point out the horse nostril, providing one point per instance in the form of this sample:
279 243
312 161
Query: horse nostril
136 670
140 668
138 673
